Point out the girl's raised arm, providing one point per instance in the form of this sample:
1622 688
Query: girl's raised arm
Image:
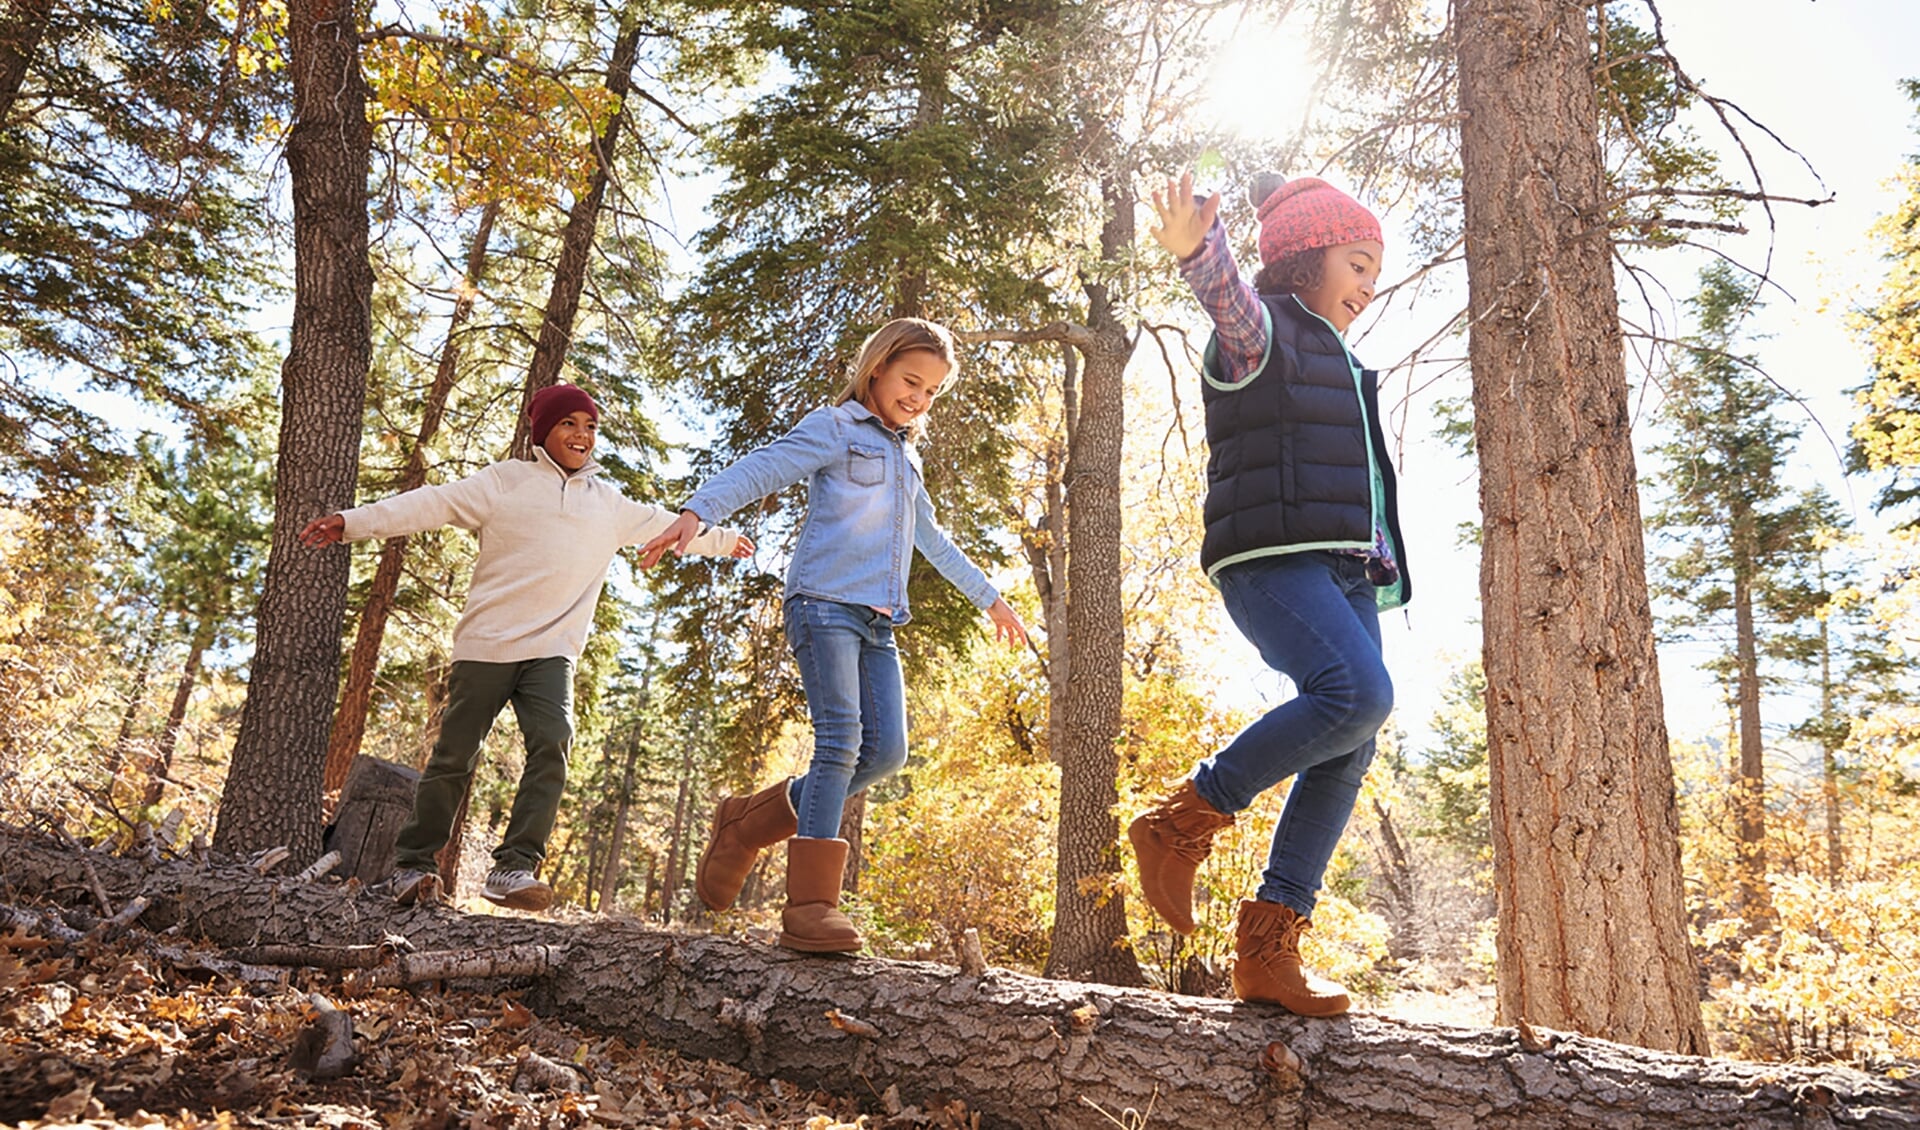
1183 224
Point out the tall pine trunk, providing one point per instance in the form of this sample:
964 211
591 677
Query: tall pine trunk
272 793
356 698
1089 939
1750 791
1592 931
615 865
1830 761
576 243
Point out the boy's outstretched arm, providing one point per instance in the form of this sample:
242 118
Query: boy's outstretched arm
323 531
1183 224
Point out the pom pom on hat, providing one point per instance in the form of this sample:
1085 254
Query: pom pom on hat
1305 213
554 403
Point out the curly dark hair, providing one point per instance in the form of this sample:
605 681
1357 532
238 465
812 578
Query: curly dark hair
1290 274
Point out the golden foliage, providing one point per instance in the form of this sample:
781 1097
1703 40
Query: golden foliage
495 119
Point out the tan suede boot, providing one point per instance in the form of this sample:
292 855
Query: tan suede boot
742 825
1171 839
1266 965
812 922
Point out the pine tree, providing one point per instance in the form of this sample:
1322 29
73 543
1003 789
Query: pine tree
1737 529
1577 743
132 243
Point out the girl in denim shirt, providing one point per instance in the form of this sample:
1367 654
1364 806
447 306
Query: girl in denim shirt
867 511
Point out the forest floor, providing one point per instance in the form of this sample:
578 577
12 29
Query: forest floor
112 1035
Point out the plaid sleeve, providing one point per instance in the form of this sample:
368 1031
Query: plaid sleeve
1239 324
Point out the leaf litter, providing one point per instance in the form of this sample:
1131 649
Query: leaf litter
111 1035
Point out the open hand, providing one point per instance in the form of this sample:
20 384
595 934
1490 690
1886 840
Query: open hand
675 537
743 548
323 531
1183 225
1006 623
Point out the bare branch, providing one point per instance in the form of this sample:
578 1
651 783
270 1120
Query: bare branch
1070 333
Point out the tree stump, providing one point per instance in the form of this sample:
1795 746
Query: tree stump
375 802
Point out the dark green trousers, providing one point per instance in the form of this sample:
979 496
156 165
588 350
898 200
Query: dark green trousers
541 691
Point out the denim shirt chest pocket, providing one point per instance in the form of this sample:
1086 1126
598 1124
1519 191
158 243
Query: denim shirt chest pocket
866 464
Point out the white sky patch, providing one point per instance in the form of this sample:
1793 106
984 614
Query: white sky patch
1260 79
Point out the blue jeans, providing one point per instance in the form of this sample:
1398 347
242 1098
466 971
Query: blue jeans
851 673
1312 616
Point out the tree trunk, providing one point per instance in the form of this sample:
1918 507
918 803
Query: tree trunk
356 698
1592 930
137 694
677 835
1830 761
576 242
610 874
20 35
272 793
853 829
162 765
1044 541
1750 789
1089 938
1019 1051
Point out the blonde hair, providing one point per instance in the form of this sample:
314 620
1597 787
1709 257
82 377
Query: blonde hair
902 335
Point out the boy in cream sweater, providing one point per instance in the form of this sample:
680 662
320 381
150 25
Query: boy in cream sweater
548 530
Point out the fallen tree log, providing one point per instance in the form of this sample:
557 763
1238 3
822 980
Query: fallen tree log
1019 1050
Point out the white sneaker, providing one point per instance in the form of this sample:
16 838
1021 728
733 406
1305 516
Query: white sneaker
518 890
409 886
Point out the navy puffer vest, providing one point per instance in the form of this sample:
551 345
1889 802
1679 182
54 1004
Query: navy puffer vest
1289 468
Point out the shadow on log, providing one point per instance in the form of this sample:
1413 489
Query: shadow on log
1020 1050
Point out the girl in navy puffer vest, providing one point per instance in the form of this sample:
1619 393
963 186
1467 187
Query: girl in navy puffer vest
1303 541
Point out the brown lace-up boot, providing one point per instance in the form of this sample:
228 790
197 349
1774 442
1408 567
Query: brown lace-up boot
1170 840
812 922
1266 964
742 825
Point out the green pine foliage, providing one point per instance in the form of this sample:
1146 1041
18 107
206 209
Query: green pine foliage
1725 517
132 201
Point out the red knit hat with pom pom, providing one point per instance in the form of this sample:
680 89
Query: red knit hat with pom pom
554 403
1305 213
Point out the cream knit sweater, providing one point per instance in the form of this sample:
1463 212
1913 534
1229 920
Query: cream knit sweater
546 539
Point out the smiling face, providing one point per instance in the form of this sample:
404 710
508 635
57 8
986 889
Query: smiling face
570 443
1347 275
903 389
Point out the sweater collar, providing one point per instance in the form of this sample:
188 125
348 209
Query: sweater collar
586 471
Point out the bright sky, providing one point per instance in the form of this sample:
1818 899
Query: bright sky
1824 77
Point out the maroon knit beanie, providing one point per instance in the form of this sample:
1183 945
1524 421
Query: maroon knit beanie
552 404
1305 213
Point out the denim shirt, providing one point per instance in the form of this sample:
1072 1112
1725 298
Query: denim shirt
867 510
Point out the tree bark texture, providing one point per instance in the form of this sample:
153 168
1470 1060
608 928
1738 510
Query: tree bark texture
20 35
356 698
1089 938
272 794
576 243
1592 934
1021 1051
374 805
